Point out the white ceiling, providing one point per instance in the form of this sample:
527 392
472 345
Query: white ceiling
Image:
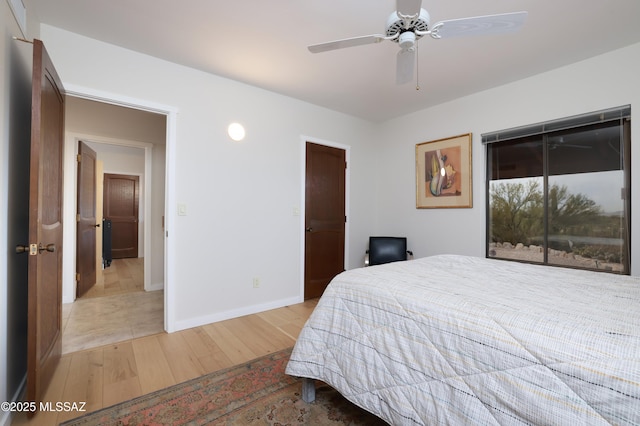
263 43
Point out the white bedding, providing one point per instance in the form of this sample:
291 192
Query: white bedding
470 341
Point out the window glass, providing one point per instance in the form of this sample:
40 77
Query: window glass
558 198
515 199
585 202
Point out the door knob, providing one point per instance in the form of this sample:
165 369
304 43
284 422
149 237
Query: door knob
97 225
49 247
309 229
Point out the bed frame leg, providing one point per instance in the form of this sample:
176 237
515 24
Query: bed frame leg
308 390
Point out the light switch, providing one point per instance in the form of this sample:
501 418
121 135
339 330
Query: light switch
182 209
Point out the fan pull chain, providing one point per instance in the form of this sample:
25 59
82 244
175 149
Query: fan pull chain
417 68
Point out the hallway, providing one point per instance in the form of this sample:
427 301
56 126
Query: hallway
117 308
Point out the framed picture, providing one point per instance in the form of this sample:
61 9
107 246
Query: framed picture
443 173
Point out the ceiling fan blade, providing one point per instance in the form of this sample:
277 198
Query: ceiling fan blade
489 24
347 42
405 64
408 7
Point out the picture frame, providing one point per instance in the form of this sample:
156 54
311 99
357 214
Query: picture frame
443 173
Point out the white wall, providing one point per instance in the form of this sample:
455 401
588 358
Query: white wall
240 197
605 81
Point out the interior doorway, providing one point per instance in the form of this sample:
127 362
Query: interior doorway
121 209
130 142
324 217
325 191
116 161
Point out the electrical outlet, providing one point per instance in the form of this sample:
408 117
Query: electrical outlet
256 282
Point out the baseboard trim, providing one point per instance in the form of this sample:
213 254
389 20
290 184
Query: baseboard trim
7 416
234 313
155 287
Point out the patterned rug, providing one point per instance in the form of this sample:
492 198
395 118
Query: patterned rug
255 393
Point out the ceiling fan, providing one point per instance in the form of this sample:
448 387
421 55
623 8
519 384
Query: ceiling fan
410 22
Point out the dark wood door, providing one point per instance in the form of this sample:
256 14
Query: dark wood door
324 217
121 198
86 222
44 326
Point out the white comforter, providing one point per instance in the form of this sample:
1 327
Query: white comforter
471 341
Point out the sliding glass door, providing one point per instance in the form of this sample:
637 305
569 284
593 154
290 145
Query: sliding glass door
561 197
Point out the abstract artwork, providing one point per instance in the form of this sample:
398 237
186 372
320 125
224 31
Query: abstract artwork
443 173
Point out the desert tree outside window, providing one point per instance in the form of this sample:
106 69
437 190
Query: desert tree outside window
558 193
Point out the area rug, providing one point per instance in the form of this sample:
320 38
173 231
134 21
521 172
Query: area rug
255 393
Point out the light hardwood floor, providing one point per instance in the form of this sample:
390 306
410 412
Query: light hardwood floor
123 276
114 373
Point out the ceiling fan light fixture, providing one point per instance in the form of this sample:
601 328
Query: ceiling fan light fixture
409 23
407 40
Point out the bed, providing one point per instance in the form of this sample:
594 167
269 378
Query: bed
465 340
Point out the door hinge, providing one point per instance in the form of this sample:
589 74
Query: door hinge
78 217
345 219
79 158
77 276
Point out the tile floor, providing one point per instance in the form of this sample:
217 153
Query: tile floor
90 322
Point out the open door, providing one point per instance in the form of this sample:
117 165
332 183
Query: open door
45 225
324 217
86 221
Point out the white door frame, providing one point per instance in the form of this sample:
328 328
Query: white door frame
169 248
